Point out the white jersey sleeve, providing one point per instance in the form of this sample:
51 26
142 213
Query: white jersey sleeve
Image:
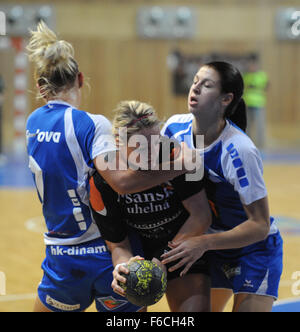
103 139
243 168
177 126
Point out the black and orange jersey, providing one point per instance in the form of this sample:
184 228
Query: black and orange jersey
155 214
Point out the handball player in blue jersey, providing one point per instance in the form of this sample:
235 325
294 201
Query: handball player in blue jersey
65 147
244 243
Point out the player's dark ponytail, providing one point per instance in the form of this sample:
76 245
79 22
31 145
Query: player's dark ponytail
232 82
239 115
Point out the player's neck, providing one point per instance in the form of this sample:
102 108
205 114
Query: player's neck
71 97
210 130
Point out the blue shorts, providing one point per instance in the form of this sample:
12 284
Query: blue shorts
255 269
75 276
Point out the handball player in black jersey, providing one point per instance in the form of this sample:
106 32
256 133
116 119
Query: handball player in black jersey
172 211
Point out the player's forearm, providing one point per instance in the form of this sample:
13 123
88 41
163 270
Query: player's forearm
125 180
142 180
129 181
120 252
194 226
241 236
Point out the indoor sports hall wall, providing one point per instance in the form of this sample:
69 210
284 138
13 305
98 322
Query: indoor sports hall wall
119 65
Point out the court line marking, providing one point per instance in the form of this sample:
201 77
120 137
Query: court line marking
32 296
286 283
36 225
17 297
287 301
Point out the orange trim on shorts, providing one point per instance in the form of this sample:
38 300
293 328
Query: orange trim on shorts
95 197
213 207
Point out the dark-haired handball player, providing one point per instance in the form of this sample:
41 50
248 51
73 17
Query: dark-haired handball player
66 146
244 243
171 211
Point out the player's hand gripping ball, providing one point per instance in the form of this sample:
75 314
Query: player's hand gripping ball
145 284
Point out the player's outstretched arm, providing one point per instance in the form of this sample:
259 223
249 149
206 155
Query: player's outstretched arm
124 180
254 229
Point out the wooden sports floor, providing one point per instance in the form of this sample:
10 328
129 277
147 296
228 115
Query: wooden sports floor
22 248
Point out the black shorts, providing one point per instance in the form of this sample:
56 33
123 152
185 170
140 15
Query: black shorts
155 250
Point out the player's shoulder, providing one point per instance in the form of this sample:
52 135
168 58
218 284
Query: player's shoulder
180 118
33 115
99 119
85 118
237 142
176 123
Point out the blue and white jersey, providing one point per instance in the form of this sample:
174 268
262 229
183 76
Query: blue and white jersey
233 171
62 143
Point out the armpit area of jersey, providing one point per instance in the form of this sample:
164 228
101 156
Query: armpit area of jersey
166 150
186 189
106 210
114 231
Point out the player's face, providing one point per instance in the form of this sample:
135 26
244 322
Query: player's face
143 147
205 92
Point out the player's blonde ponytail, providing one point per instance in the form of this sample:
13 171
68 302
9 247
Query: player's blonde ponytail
55 66
133 116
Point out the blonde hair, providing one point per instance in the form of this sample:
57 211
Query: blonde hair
134 116
55 66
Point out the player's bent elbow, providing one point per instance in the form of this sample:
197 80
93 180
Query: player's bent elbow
119 181
264 230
